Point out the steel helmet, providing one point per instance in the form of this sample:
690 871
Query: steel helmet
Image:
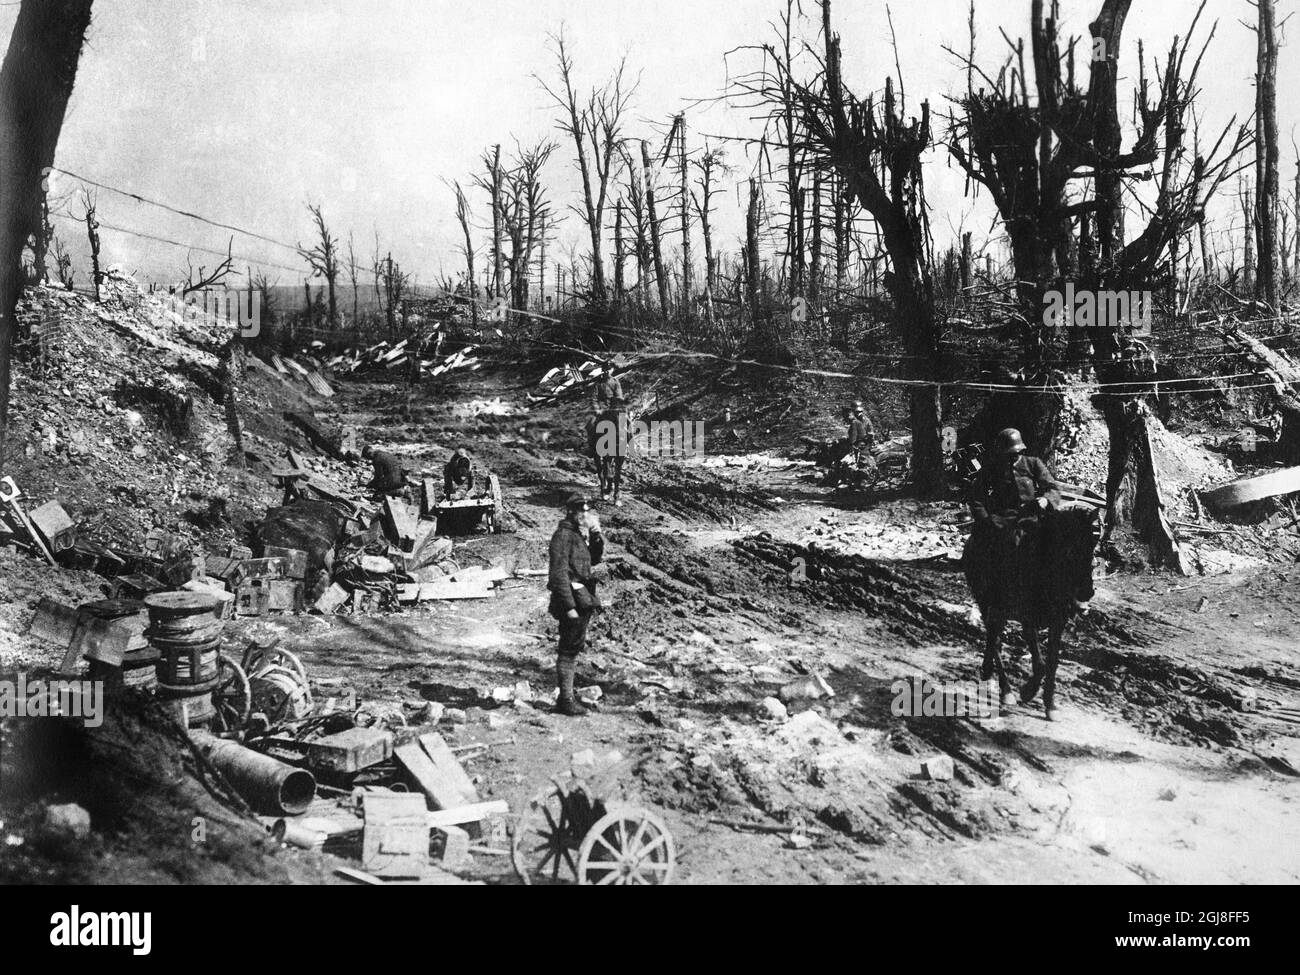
1010 442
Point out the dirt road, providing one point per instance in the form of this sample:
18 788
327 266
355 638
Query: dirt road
733 576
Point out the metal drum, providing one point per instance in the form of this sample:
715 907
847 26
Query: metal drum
185 630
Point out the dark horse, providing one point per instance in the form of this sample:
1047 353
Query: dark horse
1041 583
608 447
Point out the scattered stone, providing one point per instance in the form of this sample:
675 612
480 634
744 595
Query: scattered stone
809 728
496 721
69 819
810 688
770 709
589 695
585 759
456 716
938 769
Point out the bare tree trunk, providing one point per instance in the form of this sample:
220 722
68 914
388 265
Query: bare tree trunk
494 183
92 232
541 262
652 217
841 212
618 254
686 219
1296 201
815 245
463 218
1266 153
1248 244
35 84
751 253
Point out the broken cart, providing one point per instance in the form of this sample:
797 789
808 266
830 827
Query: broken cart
460 516
585 831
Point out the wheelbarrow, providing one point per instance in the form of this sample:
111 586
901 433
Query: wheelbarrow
459 517
585 831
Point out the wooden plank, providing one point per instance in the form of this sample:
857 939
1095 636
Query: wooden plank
319 385
395 840
467 814
1246 489
473 589
458 781
400 523
360 876
439 783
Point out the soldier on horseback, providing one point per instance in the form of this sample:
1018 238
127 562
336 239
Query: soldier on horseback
1008 496
1029 558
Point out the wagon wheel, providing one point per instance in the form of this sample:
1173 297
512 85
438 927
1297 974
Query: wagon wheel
550 829
494 516
276 658
629 846
232 697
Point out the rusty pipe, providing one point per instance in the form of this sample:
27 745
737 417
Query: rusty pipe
265 783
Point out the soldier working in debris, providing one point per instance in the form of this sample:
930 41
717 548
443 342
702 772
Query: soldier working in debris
861 432
390 475
458 475
1008 497
572 584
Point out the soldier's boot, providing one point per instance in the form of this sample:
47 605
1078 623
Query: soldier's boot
568 702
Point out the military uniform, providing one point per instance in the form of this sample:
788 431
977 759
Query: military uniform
390 476
457 477
1004 494
573 589
610 393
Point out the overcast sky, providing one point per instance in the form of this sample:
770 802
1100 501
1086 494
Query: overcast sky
242 110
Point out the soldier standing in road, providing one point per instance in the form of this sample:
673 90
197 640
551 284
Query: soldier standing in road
572 584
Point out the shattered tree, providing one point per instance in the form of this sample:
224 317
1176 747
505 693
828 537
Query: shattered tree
1038 159
876 152
36 81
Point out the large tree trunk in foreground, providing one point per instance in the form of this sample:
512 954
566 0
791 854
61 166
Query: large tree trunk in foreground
35 84
1133 485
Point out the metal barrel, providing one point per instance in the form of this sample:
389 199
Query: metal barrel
266 784
185 629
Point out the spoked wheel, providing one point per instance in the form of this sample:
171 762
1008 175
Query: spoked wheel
550 831
630 846
232 697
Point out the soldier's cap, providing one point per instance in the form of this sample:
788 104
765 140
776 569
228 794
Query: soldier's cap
576 502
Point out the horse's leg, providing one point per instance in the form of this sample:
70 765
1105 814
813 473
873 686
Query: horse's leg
618 479
1004 683
993 658
1053 657
1029 690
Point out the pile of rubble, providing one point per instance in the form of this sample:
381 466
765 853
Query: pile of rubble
322 770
